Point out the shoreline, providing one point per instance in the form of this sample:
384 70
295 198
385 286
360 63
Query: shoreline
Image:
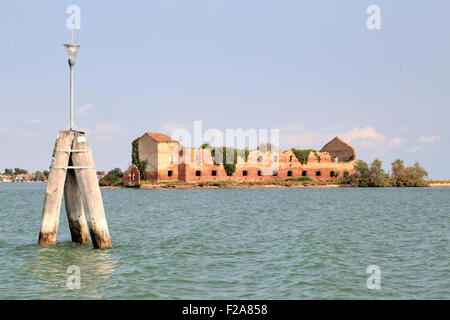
237 185
190 186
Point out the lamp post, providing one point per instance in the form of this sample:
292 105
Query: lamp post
71 51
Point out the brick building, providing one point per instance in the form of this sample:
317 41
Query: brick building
167 160
132 177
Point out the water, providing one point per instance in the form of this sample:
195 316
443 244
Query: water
235 244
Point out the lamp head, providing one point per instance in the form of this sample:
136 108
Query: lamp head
71 51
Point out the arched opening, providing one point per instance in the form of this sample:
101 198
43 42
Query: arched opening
198 173
214 173
304 173
289 173
259 173
244 173
332 174
317 173
169 173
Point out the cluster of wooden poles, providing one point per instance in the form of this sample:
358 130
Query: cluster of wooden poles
73 172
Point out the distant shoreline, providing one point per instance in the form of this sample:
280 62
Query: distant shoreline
247 186
237 185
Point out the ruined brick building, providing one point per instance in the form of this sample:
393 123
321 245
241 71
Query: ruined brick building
168 160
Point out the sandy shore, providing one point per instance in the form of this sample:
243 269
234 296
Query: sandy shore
447 184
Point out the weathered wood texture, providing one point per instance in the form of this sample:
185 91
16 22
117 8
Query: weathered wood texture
90 193
74 209
54 191
83 199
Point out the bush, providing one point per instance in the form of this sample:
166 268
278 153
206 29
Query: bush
365 176
116 172
300 179
374 176
111 180
408 177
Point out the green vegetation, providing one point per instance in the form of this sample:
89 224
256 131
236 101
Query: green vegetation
303 181
113 178
38 176
227 156
374 176
351 158
9 172
302 155
18 171
413 176
141 165
300 179
116 172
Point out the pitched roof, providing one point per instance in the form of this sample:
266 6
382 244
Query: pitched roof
338 140
160 137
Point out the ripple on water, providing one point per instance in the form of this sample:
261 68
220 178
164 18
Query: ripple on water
242 244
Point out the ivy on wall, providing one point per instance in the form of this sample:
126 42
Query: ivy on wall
141 165
226 156
351 158
302 155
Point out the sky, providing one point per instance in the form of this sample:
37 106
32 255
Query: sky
311 69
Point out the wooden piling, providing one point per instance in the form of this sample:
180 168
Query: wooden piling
74 209
54 191
90 192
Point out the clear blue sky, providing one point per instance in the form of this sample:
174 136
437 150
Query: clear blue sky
310 68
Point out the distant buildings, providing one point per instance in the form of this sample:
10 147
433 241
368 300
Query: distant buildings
6 179
167 160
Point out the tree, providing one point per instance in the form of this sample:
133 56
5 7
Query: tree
38 176
398 173
365 176
377 176
46 173
116 172
374 176
9 172
413 176
18 171
418 174
362 173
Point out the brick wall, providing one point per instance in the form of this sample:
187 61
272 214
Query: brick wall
169 161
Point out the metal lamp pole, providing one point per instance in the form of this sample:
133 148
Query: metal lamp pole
71 51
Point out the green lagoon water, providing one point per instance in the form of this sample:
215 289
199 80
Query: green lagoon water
235 244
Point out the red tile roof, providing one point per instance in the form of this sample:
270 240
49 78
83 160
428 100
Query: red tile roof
160 137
